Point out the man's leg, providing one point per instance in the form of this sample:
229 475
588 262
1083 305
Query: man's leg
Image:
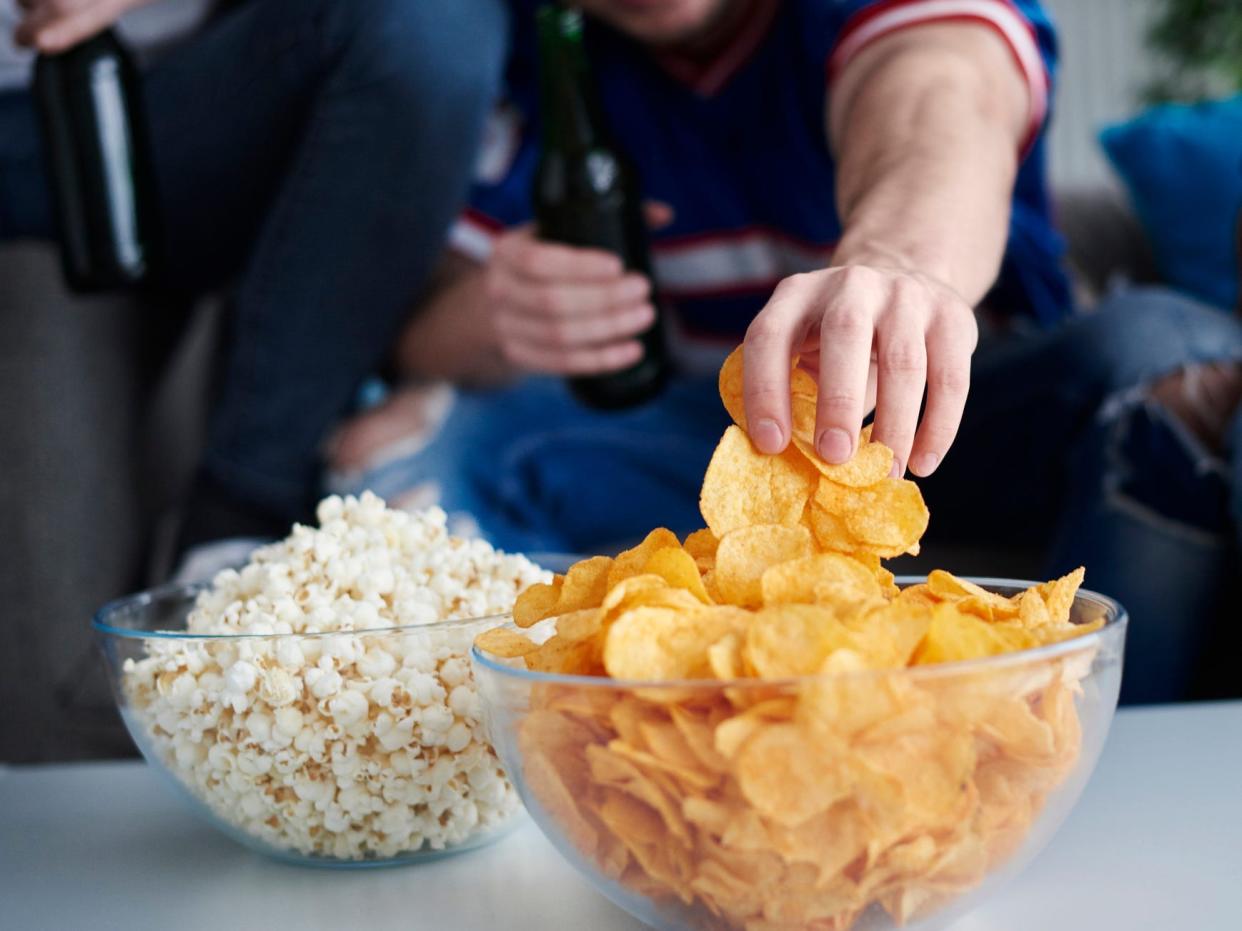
1064 446
377 108
319 149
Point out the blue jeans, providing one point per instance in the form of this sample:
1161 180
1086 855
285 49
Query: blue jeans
314 152
1060 453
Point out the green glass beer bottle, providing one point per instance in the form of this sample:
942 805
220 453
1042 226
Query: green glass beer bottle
587 194
99 163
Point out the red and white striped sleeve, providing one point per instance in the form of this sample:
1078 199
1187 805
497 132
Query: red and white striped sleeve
881 19
473 234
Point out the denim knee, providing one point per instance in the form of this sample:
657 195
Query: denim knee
437 53
1141 334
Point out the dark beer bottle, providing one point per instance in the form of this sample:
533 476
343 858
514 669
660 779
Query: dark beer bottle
99 163
587 194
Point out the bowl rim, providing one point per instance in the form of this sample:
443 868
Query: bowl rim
1114 627
191 590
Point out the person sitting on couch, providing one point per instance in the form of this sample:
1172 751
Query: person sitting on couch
314 153
862 182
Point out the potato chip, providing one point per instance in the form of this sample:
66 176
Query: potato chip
791 779
1059 595
609 769
731 387
743 487
918 594
746 553
953 636
870 463
544 779
505 643
536 603
697 727
634 561
784 641
678 569
887 518
584 585
830 531
825 578
1057 598
724 657
1033 610
887 634
637 590
564 655
648 643
702 546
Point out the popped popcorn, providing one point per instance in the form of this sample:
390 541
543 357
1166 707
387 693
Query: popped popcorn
320 729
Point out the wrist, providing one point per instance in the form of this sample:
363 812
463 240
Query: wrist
875 252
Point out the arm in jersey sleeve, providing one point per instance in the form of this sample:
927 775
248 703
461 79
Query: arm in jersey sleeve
930 104
928 125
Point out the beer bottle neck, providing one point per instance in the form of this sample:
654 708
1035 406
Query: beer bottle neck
570 108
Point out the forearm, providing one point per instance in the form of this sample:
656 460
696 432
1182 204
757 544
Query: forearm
927 132
451 336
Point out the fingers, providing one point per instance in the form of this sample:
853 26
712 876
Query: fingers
617 324
901 360
657 214
552 262
846 334
27 32
54 26
565 300
950 342
564 310
584 361
768 350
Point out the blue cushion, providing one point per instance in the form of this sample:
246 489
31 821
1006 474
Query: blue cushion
1183 166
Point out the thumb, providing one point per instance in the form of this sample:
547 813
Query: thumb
657 213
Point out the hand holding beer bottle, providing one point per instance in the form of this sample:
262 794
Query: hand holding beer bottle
586 194
567 310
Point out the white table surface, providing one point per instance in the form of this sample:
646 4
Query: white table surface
1155 844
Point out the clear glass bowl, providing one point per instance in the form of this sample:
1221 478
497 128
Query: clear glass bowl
258 734
867 800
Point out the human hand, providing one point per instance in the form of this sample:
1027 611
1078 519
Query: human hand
874 335
565 310
51 26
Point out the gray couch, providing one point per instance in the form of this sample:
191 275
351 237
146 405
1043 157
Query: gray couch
97 443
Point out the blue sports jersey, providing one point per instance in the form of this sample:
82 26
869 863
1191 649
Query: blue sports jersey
739 151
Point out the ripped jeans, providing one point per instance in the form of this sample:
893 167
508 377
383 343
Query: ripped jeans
1060 455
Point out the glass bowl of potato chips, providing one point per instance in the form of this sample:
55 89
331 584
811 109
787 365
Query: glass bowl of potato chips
740 795
759 727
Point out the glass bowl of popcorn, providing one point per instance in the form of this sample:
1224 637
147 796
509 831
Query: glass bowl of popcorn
318 705
856 798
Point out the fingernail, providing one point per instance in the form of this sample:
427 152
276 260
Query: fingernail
835 445
924 463
896 470
636 288
767 435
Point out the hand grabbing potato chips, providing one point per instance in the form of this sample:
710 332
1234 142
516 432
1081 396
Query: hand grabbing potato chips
822 777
